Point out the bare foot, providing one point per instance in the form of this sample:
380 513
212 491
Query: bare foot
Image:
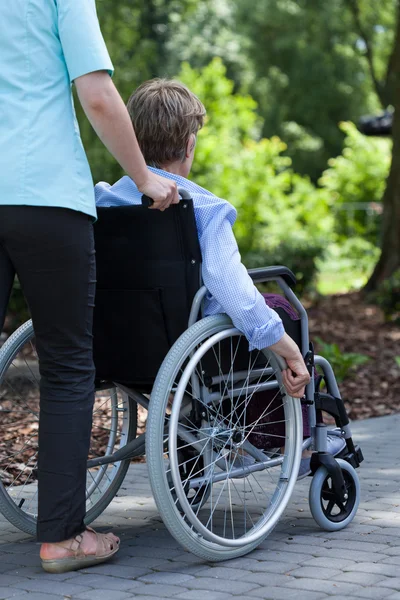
88 546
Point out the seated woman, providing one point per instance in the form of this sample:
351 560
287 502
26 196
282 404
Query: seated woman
167 117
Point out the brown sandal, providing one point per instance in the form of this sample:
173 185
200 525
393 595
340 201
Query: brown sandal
106 547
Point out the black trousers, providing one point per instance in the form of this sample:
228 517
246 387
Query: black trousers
52 252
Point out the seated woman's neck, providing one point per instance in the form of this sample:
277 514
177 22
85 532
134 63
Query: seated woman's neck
178 167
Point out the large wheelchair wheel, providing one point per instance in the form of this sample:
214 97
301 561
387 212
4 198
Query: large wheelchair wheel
114 424
218 489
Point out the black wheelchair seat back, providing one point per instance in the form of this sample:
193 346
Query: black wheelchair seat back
148 271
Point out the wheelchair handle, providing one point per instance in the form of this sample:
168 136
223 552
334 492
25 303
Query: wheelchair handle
184 194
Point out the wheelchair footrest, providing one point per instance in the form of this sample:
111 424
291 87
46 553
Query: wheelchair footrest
354 458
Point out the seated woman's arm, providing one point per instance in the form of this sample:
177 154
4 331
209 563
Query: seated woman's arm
228 281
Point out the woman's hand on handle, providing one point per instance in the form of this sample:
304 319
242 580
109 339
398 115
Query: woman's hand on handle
296 377
162 191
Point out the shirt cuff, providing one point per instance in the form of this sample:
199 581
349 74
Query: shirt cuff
265 336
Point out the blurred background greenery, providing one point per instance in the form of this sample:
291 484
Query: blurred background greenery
284 82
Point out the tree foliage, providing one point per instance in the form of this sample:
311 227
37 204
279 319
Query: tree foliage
289 72
283 216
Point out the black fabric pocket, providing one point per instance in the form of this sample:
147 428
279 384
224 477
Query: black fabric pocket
130 335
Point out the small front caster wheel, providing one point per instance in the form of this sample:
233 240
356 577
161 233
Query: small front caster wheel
328 511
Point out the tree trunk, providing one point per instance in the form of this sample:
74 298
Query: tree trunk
389 259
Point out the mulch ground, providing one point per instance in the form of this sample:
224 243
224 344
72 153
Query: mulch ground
372 389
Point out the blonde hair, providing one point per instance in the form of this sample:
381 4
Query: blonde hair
164 114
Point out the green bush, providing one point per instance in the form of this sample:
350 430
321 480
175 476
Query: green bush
299 255
282 216
388 297
343 363
358 175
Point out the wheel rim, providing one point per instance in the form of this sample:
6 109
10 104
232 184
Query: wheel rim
266 488
19 412
332 507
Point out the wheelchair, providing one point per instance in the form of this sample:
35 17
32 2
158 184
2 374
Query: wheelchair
223 440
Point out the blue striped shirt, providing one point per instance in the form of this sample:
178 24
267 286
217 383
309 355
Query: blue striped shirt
230 288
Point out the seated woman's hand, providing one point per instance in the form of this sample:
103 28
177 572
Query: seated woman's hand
163 191
296 377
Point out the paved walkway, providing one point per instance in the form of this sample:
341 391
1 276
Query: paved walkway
363 561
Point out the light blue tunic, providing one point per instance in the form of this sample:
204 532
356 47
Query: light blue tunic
44 46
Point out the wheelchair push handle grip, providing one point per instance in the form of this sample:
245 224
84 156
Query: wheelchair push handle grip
147 201
184 194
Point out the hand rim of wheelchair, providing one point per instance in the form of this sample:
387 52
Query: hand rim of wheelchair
291 469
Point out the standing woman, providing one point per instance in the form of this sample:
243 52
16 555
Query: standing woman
46 238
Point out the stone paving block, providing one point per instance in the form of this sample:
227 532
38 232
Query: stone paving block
34 596
217 585
379 568
99 594
280 593
391 582
323 585
117 570
373 593
281 556
273 567
158 591
188 557
223 573
267 579
138 561
176 566
19 547
328 562
27 560
25 572
155 552
243 562
48 587
5 592
6 579
103 582
172 578
315 572
150 597
393 550
361 578
6 567
391 560
358 546
395 596
194 595
347 597
38 573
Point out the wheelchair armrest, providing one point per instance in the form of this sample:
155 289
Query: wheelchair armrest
271 273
